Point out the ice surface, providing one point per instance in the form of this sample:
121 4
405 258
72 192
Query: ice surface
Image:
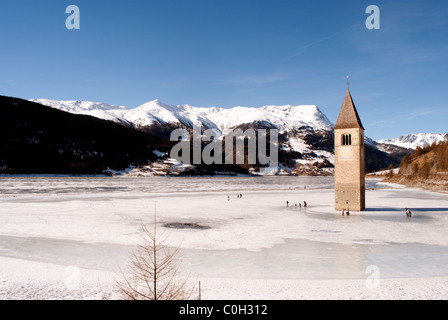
92 223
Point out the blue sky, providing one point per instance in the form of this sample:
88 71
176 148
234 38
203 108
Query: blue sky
236 53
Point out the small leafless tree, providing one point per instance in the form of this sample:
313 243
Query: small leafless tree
153 272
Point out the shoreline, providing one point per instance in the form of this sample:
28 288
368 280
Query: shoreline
439 186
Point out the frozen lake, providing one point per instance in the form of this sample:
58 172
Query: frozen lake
10 186
92 223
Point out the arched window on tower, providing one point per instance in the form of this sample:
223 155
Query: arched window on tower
346 139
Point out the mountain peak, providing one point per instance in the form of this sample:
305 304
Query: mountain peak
156 102
284 117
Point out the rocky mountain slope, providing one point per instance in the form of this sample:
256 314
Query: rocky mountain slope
284 118
35 139
306 143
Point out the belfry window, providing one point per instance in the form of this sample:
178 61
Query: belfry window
346 139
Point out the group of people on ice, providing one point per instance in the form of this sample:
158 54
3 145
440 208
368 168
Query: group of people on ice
238 195
344 211
297 188
297 205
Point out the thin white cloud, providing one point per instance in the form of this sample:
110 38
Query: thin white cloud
392 121
309 45
419 113
255 80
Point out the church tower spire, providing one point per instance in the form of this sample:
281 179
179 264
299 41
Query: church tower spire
349 158
348 117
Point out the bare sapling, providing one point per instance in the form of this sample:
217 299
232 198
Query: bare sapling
153 272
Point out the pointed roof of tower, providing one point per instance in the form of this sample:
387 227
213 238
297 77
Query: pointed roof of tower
348 117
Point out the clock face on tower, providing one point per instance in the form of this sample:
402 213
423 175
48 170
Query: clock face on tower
345 153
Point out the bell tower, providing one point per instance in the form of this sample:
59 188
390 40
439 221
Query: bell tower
349 181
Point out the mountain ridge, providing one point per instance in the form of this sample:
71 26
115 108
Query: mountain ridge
414 140
223 119
306 134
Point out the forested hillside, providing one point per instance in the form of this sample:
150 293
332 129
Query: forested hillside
427 167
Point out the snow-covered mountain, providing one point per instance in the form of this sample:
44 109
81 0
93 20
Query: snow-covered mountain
412 141
284 118
95 109
306 134
297 125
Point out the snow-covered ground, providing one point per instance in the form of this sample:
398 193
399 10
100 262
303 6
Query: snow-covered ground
69 237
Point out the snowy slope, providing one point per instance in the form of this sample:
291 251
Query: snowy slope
284 118
154 112
412 141
305 128
95 109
